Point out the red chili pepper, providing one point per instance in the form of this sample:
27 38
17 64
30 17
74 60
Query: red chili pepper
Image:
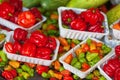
85 66
96 28
6 10
78 24
20 34
51 43
26 19
7 75
117 50
38 38
44 53
17 47
117 74
52 78
68 78
9 47
93 16
28 49
65 73
36 13
41 68
68 16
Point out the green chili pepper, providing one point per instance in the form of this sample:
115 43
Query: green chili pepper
45 75
19 70
31 72
61 68
53 32
96 73
77 65
76 41
81 55
3 56
89 76
19 78
25 68
91 56
69 41
25 75
2 64
88 41
82 60
74 60
75 77
102 78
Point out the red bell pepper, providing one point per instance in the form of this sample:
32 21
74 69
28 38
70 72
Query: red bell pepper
78 24
38 39
117 74
36 13
26 19
9 47
6 10
92 16
68 78
51 43
17 47
68 16
40 69
44 53
20 34
117 50
28 49
14 17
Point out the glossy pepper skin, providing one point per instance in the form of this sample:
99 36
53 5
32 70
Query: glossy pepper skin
40 69
117 74
6 10
9 47
28 49
92 16
117 50
68 16
26 19
17 47
78 24
38 38
44 53
20 34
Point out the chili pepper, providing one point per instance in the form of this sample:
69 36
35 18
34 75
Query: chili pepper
19 70
85 47
20 34
105 49
25 75
2 64
6 10
14 64
57 65
78 24
74 60
7 75
63 41
9 47
8 67
68 16
65 73
14 17
51 72
13 72
92 16
58 76
77 65
52 78
89 76
45 75
91 56
117 50
75 77
3 56
28 49
40 69
31 65
107 69
44 53
26 19
102 78
17 47
68 78
53 33
85 66
19 78
51 43
38 38
68 59
36 13
117 74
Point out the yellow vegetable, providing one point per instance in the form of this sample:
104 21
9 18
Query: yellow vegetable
14 64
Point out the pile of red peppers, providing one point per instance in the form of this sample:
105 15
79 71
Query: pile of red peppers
90 20
37 45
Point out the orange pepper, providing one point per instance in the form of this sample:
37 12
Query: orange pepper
69 58
63 41
51 27
99 44
58 76
78 51
54 16
72 44
65 73
116 26
57 65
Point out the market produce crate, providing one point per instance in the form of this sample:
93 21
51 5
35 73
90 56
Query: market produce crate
34 60
74 70
13 26
81 35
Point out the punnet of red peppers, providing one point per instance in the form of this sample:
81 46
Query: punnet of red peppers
59 40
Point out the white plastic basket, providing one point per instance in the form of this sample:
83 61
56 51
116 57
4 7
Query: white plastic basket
30 59
74 70
116 33
13 26
2 42
101 70
81 35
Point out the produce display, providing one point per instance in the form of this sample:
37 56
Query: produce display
59 40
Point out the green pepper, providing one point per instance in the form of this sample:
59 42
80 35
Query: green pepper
53 32
91 56
19 70
61 68
75 77
102 78
89 76
25 75
19 78
2 64
88 41
96 72
82 60
69 41
45 75
76 41
106 49
81 55
3 56
77 65
31 72
74 60
25 68
94 61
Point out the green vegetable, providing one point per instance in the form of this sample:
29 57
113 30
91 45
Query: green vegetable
88 41
81 55
52 4
102 78
25 75
19 78
3 56
77 65
113 14
75 77
76 41
86 3
19 70
53 32
74 60
45 75
61 68
94 61
89 76
2 64
96 73
91 56
106 49
82 60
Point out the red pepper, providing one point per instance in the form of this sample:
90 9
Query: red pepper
38 39
26 19
28 49
13 72
6 10
36 13
44 53
41 68
9 47
117 50
7 75
68 16
96 28
117 74
52 78
51 43
68 78
20 34
78 24
92 16
17 47
65 73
